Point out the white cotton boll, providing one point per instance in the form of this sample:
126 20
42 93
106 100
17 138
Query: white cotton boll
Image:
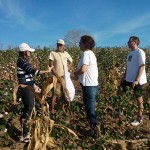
1 115
6 113
137 136
6 93
20 100
5 130
78 96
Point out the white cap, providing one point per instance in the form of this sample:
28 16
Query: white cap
25 47
60 41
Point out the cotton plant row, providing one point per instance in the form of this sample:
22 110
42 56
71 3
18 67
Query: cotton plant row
114 109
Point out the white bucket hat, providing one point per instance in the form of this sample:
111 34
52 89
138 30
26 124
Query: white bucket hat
25 47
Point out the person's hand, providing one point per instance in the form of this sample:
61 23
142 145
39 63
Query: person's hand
49 69
37 89
122 79
134 84
58 78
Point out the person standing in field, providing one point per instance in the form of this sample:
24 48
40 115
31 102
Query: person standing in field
87 75
25 73
135 75
61 60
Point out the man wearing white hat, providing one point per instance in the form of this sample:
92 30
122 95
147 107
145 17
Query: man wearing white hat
25 74
61 60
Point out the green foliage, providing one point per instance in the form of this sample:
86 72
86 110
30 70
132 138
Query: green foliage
114 108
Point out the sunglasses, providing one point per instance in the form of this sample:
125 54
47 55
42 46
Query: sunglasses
130 41
59 44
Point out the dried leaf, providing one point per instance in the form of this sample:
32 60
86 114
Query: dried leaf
65 128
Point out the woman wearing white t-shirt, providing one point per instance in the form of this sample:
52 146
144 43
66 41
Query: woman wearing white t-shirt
87 75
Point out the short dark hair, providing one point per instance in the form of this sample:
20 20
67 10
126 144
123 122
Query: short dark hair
21 53
88 41
135 39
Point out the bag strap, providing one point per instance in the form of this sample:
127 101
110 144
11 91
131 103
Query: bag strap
65 91
62 61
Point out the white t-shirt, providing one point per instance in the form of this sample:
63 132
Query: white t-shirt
90 77
134 60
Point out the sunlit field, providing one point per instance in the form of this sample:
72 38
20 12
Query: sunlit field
68 127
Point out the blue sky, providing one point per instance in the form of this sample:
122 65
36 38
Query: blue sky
42 22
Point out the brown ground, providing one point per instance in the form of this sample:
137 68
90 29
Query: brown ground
139 141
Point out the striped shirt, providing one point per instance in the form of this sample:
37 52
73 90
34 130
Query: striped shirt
25 72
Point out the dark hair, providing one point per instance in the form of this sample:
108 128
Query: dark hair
88 41
21 53
135 39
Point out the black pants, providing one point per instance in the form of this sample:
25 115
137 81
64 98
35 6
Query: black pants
137 89
27 97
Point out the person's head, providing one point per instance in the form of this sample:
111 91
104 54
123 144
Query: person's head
86 42
25 50
133 42
60 45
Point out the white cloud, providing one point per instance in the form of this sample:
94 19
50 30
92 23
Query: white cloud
133 24
123 27
15 14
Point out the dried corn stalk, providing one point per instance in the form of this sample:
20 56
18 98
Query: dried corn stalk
40 128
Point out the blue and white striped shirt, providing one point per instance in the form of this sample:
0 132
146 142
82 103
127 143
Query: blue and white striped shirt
25 72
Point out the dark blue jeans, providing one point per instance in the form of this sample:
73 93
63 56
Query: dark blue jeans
89 98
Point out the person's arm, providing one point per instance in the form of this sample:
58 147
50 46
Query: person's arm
30 70
54 70
45 71
69 65
85 61
69 60
80 71
140 71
